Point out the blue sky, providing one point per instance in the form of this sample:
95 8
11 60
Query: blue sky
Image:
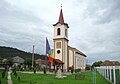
94 25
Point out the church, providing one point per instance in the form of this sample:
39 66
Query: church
65 56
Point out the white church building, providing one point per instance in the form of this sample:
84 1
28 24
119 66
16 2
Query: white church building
65 55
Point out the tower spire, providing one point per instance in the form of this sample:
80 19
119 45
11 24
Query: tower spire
61 18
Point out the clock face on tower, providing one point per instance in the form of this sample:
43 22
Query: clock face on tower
58 51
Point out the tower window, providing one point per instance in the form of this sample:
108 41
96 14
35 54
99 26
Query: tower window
58 31
66 32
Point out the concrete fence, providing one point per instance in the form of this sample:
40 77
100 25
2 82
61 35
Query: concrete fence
111 73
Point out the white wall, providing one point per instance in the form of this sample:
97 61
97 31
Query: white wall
80 61
70 58
65 44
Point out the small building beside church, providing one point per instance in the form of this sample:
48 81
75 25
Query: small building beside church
65 55
17 60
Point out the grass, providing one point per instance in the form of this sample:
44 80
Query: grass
3 80
50 79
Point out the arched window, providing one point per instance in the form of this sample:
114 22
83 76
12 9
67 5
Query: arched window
58 31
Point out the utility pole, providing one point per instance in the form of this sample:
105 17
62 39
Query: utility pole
33 57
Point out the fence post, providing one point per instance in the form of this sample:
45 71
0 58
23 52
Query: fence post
107 72
103 71
110 73
119 70
114 74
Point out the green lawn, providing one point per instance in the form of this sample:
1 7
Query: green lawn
50 79
3 80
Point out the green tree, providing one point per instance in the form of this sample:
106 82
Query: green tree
97 64
10 61
88 67
28 62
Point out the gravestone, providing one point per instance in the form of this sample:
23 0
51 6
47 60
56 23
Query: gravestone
59 74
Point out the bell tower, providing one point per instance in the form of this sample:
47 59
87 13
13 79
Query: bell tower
61 40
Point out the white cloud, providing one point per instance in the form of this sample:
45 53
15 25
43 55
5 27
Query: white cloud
94 25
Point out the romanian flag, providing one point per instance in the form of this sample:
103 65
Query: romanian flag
51 57
49 52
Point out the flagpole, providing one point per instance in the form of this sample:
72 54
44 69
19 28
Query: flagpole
46 54
33 57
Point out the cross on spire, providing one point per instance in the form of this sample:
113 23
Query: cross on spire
61 6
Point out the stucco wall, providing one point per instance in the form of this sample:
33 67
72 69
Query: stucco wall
80 61
70 58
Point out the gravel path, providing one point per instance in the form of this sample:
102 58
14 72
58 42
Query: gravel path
9 78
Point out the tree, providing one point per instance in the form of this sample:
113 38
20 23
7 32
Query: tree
88 67
97 64
10 61
28 62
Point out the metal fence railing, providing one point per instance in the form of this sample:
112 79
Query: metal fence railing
111 73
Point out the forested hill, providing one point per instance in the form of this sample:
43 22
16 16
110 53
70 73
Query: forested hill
9 52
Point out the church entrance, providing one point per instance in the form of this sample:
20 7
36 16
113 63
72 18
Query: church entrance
58 64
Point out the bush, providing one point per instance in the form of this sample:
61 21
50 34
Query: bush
87 68
3 74
44 70
6 68
14 72
77 70
34 71
30 82
72 70
18 78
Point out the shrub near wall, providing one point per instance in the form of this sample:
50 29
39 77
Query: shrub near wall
77 70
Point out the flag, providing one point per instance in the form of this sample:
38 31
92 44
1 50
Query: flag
48 49
49 52
51 57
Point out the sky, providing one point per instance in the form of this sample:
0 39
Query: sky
94 25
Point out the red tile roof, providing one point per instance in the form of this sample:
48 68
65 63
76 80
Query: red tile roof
58 61
110 63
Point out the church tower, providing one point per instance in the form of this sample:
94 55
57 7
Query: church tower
61 40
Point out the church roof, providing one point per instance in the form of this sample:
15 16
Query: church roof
77 51
61 20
